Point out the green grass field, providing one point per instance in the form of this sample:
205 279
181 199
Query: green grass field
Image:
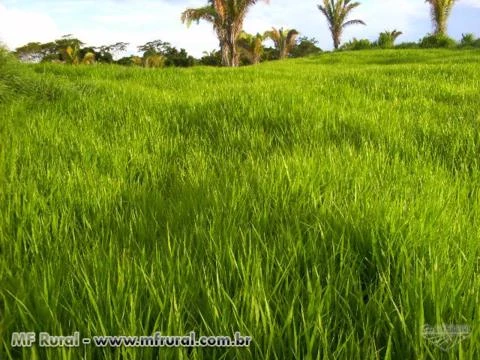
328 207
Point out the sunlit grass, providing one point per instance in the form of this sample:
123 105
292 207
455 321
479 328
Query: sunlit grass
328 207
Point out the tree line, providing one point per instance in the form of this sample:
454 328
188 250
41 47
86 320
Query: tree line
238 47
159 53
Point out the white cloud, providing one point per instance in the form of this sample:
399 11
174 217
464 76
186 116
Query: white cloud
138 21
142 21
409 16
19 27
412 17
472 3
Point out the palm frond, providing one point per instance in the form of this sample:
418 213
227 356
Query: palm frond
353 22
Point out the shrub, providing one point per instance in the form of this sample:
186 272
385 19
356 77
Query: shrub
357 44
386 39
437 41
9 79
88 58
4 55
468 40
155 61
407 45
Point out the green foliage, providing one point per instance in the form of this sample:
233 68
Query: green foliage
105 53
283 39
154 61
88 58
227 18
5 56
130 61
386 39
212 58
437 41
337 12
270 54
15 81
172 56
10 76
35 52
357 44
251 48
468 40
440 11
66 50
329 207
305 47
408 45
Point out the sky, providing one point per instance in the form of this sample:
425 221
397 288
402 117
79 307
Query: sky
103 22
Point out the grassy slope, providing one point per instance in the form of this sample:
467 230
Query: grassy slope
328 207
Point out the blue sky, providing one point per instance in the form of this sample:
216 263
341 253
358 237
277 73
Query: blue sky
100 22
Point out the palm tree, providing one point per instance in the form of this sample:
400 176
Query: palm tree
336 12
440 12
387 38
89 58
227 18
71 55
284 40
251 46
154 61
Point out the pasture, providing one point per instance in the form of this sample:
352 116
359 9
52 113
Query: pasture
328 207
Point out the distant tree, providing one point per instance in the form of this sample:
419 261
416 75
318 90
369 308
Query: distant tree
154 61
440 12
125 61
106 53
227 17
154 47
251 47
305 47
270 54
69 49
36 52
468 40
357 44
408 45
178 58
437 41
211 58
336 12
387 38
173 56
136 61
88 58
284 40
31 52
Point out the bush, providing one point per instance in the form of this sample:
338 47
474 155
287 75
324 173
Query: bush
305 47
467 39
14 79
357 44
4 55
386 39
437 41
407 45
7 74
154 61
